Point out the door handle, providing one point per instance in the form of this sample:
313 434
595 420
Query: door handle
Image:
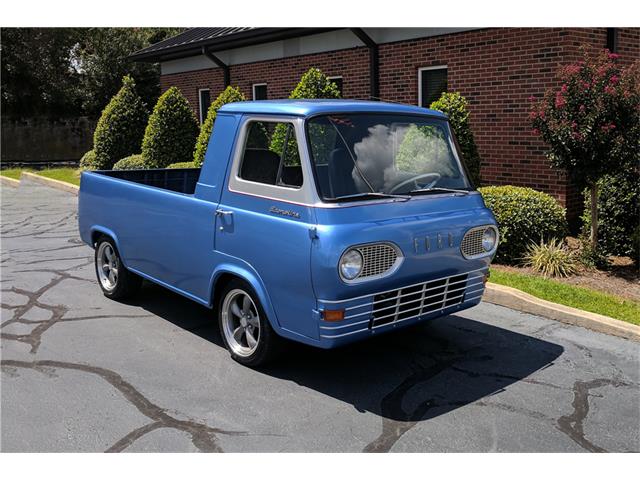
222 213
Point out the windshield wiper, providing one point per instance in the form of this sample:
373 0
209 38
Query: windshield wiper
438 190
370 194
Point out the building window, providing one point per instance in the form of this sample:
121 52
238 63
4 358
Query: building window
338 82
204 96
432 82
259 91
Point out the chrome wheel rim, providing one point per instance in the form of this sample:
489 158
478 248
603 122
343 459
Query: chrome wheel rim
240 322
108 266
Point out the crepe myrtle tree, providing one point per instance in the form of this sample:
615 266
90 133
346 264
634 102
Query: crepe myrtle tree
591 122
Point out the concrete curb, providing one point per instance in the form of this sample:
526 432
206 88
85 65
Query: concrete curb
519 300
9 182
50 182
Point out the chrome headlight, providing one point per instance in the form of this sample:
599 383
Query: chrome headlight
489 239
351 264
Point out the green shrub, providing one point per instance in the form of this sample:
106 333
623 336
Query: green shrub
171 133
132 162
184 165
121 126
618 214
524 215
229 95
88 161
313 84
552 258
454 106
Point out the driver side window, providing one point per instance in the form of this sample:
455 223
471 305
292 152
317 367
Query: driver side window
271 155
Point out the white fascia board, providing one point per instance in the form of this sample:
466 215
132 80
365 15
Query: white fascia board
322 42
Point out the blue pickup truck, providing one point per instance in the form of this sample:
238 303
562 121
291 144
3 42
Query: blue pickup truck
320 221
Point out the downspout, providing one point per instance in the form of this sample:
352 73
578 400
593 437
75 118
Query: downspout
612 40
225 68
374 90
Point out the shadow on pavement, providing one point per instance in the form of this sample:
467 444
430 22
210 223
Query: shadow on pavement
407 376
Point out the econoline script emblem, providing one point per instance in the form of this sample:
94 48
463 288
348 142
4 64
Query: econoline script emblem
286 213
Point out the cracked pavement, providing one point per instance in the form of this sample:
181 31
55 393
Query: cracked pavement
83 373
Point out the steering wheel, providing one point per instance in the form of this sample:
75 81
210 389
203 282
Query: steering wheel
434 176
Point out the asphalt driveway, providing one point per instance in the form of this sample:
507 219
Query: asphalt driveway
83 373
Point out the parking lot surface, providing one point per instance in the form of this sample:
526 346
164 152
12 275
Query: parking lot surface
83 373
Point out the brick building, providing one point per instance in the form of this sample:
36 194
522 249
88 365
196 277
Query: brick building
496 69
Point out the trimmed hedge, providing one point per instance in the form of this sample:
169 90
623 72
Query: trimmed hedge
184 165
455 106
618 214
132 162
171 133
524 216
88 161
229 95
313 84
121 127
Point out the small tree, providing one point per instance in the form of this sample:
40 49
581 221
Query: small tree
313 84
592 122
229 95
171 133
455 106
121 127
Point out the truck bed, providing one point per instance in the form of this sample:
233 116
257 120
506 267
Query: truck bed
181 180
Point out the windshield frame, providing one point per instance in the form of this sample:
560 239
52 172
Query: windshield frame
453 143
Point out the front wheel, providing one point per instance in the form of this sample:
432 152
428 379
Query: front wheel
115 280
245 329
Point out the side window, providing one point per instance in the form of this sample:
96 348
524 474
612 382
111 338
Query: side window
271 155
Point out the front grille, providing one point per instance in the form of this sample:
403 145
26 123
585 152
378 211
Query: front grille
417 300
471 245
377 258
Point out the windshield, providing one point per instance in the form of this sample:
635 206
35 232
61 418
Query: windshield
362 155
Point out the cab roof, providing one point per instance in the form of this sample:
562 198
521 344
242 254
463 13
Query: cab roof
307 108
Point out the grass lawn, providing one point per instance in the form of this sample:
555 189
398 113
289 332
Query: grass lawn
11 173
571 295
69 175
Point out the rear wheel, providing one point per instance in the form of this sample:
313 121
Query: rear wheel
244 326
115 280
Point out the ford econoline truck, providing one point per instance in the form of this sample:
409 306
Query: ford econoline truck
320 221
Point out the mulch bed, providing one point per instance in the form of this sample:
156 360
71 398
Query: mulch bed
622 277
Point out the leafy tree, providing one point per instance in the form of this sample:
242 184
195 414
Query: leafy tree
121 126
591 122
313 84
619 214
101 59
73 71
230 94
171 133
455 106
37 76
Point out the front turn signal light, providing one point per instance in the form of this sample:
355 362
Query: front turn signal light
333 315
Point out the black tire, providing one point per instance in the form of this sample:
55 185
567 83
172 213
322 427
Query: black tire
124 284
268 344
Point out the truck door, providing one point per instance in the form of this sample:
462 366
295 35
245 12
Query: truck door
265 218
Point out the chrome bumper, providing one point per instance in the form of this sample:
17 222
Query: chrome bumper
411 302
